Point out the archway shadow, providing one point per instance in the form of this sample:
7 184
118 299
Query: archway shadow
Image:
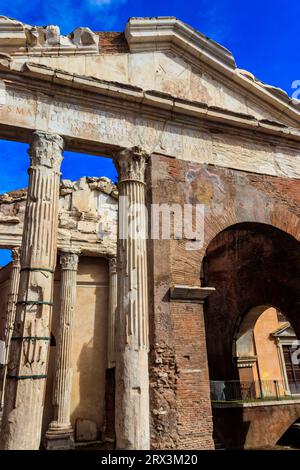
249 264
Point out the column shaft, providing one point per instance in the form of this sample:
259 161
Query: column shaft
132 376
60 432
28 360
11 313
112 307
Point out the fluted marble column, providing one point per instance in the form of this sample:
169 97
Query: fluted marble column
28 360
112 307
132 344
60 432
11 312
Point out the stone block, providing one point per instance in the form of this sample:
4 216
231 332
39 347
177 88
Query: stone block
86 430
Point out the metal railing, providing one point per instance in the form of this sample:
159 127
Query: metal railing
235 390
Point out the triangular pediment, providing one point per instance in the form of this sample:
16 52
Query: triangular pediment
161 54
284 331
201 70
177 75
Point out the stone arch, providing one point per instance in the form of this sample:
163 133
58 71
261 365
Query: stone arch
281 218
286 428
252 265
258 352
278 216
249 264
269 424
243 337
245 325
254 427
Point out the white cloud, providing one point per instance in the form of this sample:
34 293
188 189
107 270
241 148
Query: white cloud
67 14
104 3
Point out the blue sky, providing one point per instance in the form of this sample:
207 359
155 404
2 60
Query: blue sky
263 36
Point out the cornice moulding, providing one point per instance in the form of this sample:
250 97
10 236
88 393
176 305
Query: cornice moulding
144 35
163 106
148 34
195 294
167 33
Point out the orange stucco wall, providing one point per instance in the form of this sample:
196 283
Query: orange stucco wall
268 362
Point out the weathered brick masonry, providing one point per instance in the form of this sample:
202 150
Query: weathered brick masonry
174 111
179 384
180 405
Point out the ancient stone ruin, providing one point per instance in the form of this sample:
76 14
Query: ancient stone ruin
114 339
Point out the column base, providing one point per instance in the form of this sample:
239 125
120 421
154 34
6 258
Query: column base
59 438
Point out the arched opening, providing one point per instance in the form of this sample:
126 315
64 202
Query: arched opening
260 348
265 350
291 437
249 265
251 316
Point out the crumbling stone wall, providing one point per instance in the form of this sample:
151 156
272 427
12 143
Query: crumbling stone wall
163 382
87 216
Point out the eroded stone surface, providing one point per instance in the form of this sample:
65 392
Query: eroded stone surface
132 321
87 215
86 430
217 137
61 423
20 38
28 364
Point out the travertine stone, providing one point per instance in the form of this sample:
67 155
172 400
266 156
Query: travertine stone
219 138
60 428
163 132
86 430
113 300
20 39
11 313
87 217
84 37
165 55
27 368
132 343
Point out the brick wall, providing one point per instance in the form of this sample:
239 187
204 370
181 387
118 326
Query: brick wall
179 384
112 42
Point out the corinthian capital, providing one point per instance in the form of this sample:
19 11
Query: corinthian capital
131 164
46 150
69 260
